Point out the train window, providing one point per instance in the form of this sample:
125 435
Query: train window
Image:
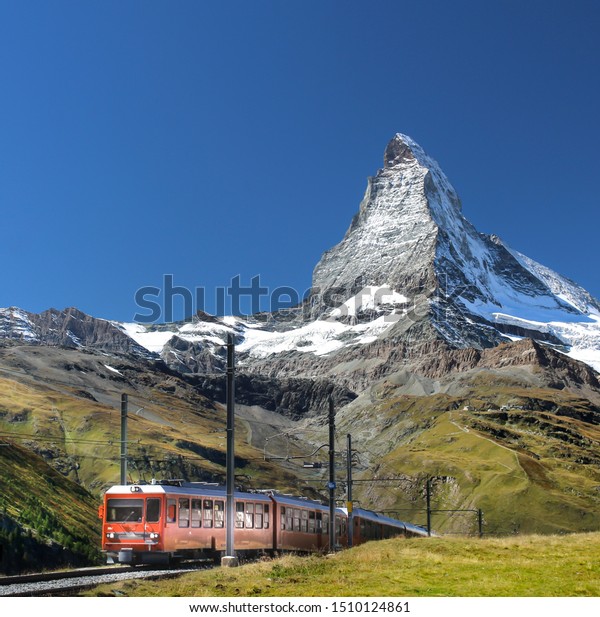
311 522
258 517
124 510
239 514
326 524
304 521
296 519
283 517
196 512
152 510
208 513
249 516
171 510
319 520
370 530
184 512
266 519
219 514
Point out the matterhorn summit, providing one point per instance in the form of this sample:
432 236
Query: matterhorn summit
393 235
411 237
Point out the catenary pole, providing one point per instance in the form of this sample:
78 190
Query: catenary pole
428 495
331 476
123 439
349 505
230 558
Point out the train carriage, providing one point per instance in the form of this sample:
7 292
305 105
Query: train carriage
160 522
154 523
303 525
368 525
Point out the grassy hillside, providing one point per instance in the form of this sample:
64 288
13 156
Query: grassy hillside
44 517
172 432
519 566
531 468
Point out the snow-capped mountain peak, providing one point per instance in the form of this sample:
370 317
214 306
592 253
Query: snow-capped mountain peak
410 270
410 257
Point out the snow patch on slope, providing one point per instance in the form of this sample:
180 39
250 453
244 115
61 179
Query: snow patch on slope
320 337
152 340
370 298
559 285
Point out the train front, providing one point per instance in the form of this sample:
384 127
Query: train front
131 524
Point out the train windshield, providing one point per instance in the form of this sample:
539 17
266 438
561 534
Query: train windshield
124 510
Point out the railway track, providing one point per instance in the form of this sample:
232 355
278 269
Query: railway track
69 582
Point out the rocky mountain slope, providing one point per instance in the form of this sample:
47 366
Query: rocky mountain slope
411 270
68 328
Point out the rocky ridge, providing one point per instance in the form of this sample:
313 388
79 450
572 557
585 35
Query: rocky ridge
410 271
411 277
70 328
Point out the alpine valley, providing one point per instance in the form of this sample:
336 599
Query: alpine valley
448 354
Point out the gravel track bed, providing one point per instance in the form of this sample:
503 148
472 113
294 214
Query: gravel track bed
61 587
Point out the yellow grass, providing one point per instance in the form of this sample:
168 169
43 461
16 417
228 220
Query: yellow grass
518 566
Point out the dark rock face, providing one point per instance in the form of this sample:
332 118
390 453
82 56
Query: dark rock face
397 151
444 361
292 397
187 357
73 328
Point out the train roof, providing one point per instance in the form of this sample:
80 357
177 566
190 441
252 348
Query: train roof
387 520
186 488
215 491
301 502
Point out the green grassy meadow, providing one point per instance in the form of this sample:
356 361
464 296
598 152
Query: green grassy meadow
529 471
520 566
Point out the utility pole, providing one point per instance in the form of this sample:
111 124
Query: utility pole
230 560
123 439
349 505
428 489
331 484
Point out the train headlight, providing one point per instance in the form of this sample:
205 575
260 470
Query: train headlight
111 535
154 536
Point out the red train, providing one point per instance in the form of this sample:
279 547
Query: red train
158 523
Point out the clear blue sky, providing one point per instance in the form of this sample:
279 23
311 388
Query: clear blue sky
213 139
